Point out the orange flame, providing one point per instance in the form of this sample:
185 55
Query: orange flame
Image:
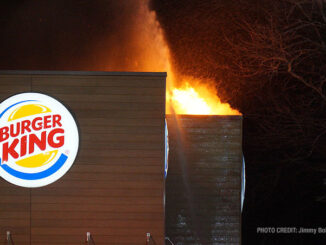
198 100
187 101
150 52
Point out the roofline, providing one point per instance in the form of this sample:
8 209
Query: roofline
79 73
168 115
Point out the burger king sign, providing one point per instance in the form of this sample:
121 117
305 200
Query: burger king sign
38 140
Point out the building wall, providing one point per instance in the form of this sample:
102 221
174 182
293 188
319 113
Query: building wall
203 185
115 187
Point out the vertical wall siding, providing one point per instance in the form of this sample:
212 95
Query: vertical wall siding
14 200
115 187
203 183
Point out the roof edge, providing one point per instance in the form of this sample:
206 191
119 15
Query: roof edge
203 116
78 73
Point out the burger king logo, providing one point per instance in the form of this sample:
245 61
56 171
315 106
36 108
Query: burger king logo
38 140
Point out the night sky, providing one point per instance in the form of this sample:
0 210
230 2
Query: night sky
67 35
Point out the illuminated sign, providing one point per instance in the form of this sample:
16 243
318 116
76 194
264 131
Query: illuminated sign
166 165
38 140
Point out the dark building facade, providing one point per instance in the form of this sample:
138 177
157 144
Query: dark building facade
203 186
115 188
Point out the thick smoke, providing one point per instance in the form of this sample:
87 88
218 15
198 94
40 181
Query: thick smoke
78 35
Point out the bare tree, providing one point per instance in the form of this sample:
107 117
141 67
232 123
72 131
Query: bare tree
278 61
